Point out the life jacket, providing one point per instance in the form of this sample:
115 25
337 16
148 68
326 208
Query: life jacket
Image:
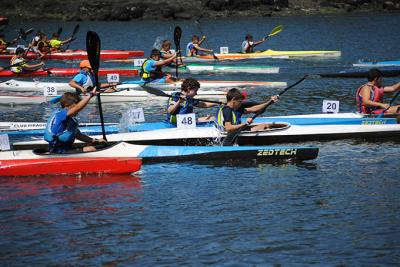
3 44
246 44
18 68
189 49
185 107
55 43
43 47
65 137
89 81
376 96
221 120
152 75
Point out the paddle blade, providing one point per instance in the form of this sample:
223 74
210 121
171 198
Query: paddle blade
276 30
93 47
154 91
231 137
76 29
59 31
29 31
177 36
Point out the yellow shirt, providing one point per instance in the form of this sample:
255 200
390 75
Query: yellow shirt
55 43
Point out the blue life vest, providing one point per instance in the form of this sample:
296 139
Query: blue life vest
184 108
64 136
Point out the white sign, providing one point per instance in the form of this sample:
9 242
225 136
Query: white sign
49 91
136 115
138 62
187 121
330 106
113 78
224 50
4 142
172 51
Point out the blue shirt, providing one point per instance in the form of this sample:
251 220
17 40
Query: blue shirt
82 78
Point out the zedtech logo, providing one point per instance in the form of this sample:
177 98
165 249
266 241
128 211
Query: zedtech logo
277 152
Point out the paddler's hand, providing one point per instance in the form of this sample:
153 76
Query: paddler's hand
384 106
93 92
249 120
98 141
275 98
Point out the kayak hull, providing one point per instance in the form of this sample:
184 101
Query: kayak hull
70 166
67 72
81 54
386 72
153 154
378 64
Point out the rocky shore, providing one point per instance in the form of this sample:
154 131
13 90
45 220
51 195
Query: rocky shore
124 10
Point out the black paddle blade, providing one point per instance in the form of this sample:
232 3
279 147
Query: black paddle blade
59 31
76 29
22 34
177 36
154 91
93 47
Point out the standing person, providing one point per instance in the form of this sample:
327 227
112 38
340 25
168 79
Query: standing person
23 66
55 42
369 97
151 70
193 48
183 102
229 115
4 44
166 53
62 127
248 44
85 80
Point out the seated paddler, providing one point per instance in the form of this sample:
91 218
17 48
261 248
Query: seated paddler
151 70
229 116
62 127
184 101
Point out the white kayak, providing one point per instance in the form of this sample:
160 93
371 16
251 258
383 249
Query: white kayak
280 133
38 86
254 69
114 97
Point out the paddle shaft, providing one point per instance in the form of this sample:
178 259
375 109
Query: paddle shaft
390 104
177 40
208 45
76 29
231 137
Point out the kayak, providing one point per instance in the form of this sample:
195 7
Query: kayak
113 97
35 162
66 165
205 84
219 68
280 132
269 54
27 86
67 72
81 54
37 128
377 63
362 73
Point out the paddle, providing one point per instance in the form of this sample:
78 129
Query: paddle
158 92
177 40
59 31
93 47
275 31
23 34
231 137
10 66
390 104
208 45
76 29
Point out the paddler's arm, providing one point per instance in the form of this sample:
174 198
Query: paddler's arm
365 94
81 104
203 49
174 106
207 104
75 85
229 127
166 61
87 139
260 42
259 107
392 88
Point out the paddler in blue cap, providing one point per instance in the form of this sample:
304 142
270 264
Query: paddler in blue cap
151 70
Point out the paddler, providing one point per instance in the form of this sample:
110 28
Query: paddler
151 70
228 116
84 81
248 44
5 44
369 97
21 62
167 53
183 102
193 48
55 42
40 44
62 127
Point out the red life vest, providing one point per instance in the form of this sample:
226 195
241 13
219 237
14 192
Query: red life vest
376 96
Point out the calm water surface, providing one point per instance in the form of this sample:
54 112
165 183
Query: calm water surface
340 209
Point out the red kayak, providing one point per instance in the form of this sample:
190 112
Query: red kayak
81 54
67 72
70 166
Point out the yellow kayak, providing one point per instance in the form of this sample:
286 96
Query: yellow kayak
274 54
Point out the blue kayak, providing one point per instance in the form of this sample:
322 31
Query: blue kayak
312 119
373 64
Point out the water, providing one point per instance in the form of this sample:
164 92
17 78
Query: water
340 209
